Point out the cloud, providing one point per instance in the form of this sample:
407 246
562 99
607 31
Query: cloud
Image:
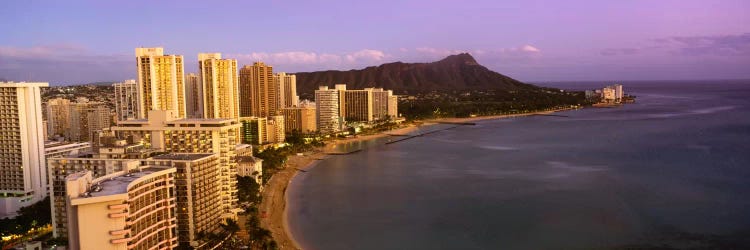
515 52
62 63
313 60
717 45
529 48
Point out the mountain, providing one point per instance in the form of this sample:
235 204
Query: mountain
455 72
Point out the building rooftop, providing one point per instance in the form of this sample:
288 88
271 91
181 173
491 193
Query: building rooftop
182 157
119 184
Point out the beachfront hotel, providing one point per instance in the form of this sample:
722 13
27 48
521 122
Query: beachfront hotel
130 209
166 132
161 83
328 110
220 86
197 189
357 105
23 175
126 100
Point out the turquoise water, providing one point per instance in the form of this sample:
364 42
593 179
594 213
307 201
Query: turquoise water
672 169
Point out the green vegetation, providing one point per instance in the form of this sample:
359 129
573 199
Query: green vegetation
35 215
261 237
248 190
486 103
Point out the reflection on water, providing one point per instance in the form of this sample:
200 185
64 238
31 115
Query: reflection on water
600 178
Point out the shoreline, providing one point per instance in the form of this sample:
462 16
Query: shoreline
275 196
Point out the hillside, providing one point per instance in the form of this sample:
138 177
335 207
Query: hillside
455 72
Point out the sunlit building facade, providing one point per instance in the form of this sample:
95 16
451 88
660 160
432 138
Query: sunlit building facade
161 84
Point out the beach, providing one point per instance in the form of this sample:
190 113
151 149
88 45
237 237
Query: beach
274 195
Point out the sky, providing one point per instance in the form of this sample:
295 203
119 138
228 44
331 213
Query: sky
71 42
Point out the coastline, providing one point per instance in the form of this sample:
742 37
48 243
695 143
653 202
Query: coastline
275 197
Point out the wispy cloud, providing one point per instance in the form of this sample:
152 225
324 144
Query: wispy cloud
62 62
313 60
718 45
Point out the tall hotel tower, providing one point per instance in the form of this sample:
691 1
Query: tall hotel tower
258 93
161 84
328 113
193 96
23 173
220 83
287 88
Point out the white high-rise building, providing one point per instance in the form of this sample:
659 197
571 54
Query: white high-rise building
161 84
23 173
126 100
220 86
328 112
287 87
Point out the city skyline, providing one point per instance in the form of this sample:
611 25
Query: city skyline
82 42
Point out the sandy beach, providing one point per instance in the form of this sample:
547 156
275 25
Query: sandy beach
275 196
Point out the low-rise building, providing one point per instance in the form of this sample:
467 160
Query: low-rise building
250 166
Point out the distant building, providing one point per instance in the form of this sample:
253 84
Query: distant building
23 172
58 117
258 93
608 94
287 86
300 119
87 118
193 96
328 110
132 209
618 91
161 84
126 100
220 86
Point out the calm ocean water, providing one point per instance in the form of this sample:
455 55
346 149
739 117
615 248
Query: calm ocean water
672 169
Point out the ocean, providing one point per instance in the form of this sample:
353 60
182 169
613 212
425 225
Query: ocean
671 170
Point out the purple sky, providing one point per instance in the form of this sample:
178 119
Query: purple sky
64 42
